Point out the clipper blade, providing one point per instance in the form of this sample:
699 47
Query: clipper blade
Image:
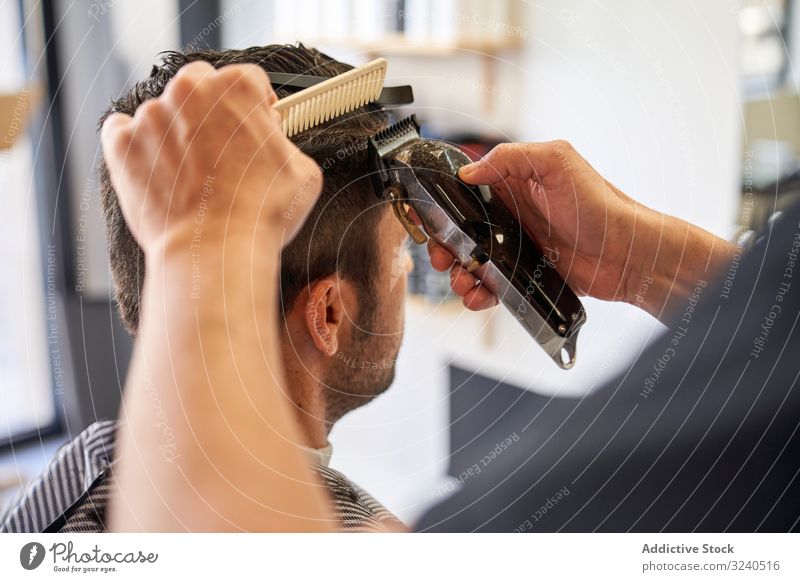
395 135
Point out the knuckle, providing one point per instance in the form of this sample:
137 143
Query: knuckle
150 111
275 120
299 164
503 151
255 71
512 147
563 155
180 87
116 132
316 175
187 79
563 145
305 170
255 74
247 78
196 68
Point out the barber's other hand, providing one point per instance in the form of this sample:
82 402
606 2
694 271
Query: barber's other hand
209 154
581 222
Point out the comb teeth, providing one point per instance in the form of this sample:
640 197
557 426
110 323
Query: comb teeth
332 98
388 139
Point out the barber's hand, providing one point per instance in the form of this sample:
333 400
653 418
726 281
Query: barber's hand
208 154
581 222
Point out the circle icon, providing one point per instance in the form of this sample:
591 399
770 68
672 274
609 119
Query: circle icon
31 555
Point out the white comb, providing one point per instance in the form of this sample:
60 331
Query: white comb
332 97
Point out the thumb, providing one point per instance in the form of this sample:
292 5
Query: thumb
479 173
520 161
507 160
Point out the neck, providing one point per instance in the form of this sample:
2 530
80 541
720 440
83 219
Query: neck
308 404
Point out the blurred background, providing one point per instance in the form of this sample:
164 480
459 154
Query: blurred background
690 107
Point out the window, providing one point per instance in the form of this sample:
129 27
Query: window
27 397
764 25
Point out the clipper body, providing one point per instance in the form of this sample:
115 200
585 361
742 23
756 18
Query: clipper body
479 230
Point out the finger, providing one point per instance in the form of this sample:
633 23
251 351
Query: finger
152 113
461 281
441 259
276 116
479 298
115 138
185 81
520 161
250 78
272 97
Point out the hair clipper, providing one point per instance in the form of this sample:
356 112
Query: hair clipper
479 230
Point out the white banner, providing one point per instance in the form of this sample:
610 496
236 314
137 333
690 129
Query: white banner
415 557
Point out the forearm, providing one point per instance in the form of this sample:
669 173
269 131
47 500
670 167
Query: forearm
207 377
671 257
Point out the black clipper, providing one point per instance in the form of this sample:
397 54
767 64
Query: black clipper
479 230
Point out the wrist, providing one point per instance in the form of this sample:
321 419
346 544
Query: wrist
659 244
212 266
639 278
671 256
217 238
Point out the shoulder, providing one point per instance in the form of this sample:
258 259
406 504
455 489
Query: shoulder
356 509
70 476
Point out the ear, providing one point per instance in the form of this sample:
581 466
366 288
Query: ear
325 313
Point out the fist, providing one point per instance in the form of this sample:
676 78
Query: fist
208 151
579 219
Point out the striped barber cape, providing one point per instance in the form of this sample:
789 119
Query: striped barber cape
72 493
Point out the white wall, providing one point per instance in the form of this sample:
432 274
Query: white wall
649 91
793 82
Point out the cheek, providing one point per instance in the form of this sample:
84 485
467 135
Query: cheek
400 300
395 302
394 315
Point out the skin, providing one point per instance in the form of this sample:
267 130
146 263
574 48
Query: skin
213 367
607 244
334 362
293 383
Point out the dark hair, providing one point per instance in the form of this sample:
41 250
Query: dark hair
331 240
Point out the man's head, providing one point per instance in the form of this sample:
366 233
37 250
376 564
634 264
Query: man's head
342 279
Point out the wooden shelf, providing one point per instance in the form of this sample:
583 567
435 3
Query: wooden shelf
401 45
15 108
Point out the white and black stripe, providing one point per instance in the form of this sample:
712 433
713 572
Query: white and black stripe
72 493
71 473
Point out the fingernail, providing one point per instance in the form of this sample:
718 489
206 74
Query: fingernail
468 169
